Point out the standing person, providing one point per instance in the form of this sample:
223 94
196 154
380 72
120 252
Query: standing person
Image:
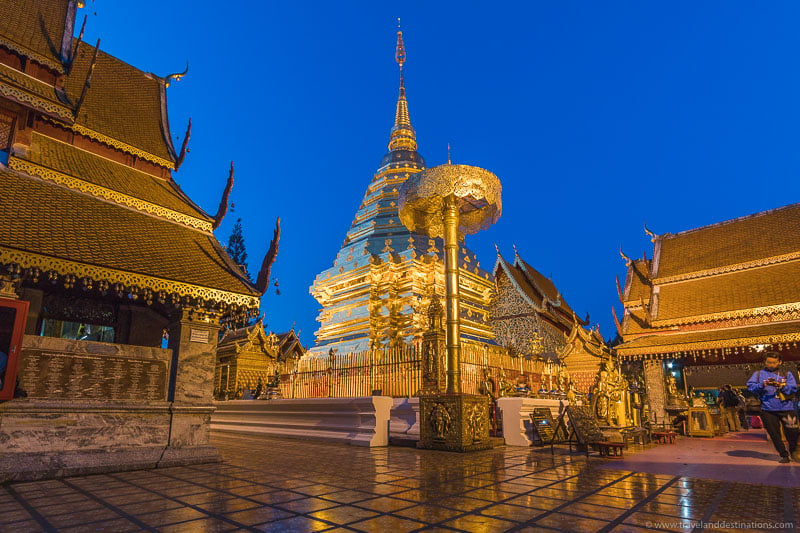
776 389
741 408
729 404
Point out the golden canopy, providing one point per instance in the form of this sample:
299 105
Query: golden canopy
477 192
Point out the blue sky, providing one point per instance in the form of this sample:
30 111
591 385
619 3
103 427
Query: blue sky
596 116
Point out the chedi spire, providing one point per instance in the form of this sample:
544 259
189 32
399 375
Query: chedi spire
403 136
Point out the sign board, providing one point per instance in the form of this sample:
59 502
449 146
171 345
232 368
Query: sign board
584 425
543 425
198 335
60 375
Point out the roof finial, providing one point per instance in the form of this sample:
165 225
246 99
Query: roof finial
403 136
449 162
516 253
497 248
176 76
625 257
652 235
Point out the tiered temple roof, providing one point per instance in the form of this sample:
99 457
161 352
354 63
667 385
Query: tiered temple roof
531 318
717 289
88 194
538 291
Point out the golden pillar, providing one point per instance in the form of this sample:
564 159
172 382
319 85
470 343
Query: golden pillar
447 201
450 220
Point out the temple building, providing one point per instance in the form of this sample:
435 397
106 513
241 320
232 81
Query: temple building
381 281
247 355
531 319
711 299
102 258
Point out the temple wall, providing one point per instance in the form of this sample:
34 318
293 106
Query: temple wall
96 407
517 326
582 368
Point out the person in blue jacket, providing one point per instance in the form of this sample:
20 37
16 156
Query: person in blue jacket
777 389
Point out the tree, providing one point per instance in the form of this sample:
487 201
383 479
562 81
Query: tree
236 248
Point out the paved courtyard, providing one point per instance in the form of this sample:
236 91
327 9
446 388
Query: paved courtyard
269 484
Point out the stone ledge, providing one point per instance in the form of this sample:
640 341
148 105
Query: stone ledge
362 421
404 421
515 412
33 466
47 438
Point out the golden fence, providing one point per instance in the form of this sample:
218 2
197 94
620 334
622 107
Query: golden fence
397 372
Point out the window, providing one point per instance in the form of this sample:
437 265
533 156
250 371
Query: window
76 330
69 317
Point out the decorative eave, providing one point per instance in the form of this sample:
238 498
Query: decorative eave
585 338
21 50
32 169
114 143
292 340
42 105
704 347
32 266
728 315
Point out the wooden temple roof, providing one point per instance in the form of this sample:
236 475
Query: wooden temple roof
637 282
87 192
716 287
61 157
124 107
737 242
726 295
36 29
284 343
55 228
539 291
544 285
32 91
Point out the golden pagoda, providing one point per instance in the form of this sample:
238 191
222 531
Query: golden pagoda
383 277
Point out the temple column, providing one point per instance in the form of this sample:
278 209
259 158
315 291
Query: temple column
193 341
656 393
452 301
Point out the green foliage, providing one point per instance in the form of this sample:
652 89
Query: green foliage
236 248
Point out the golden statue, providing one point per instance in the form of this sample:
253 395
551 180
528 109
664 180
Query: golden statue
571 397
563 378
601 397
504 387
672 386
488 387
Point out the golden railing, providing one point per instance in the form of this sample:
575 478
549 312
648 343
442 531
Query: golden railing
397 372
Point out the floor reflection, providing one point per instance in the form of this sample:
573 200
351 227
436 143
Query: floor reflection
269 484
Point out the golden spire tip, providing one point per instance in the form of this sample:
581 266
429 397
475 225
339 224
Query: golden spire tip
400 53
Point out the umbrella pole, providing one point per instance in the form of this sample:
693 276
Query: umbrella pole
450 219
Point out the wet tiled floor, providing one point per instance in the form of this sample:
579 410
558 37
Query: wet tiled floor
268 484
